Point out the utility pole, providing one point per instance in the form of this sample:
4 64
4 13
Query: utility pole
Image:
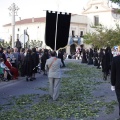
13 12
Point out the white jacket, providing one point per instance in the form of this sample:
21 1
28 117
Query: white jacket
54 71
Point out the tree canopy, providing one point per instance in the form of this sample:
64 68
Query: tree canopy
103 37
116 1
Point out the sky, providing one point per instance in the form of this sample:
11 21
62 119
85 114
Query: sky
36 8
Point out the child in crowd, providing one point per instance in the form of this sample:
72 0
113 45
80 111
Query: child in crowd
6 70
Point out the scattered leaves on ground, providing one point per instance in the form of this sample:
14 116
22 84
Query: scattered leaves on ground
75 102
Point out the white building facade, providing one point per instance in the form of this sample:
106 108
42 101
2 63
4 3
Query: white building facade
96 12
35 28
100 12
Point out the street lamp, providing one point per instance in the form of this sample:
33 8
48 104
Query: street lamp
13 12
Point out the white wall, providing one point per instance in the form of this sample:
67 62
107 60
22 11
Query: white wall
101 9
36 31
77 28
106 21
81 19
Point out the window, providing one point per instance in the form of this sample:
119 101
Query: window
73 33
96 7
96 20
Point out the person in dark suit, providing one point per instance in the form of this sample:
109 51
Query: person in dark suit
100 57
60 55
115 77
95 56
28 65
90 57
44 57
84 56
106 62
35 58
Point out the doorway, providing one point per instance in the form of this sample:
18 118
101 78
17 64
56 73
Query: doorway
72 48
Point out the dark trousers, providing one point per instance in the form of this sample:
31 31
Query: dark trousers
63 62
22 70
19 49
118 97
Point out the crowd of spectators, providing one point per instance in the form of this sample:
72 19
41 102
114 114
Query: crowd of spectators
22 62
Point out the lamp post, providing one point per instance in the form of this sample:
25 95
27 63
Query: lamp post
13 12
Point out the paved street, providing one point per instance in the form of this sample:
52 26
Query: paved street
21 87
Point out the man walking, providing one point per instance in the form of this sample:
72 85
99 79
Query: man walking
54 74
115 77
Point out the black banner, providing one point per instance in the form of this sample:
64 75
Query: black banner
61 34
63 26
50 29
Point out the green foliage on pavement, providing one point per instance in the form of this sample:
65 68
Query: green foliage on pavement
76 101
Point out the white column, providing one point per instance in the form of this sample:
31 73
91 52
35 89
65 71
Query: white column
13 25
13 12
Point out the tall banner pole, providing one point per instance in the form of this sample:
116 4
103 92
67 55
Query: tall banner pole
56 25
56 32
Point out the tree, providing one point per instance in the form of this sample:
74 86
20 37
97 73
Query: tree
34 43
5 44
116 1
103 37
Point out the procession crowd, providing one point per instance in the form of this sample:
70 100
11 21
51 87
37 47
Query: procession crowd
108 60
101 58
15 62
